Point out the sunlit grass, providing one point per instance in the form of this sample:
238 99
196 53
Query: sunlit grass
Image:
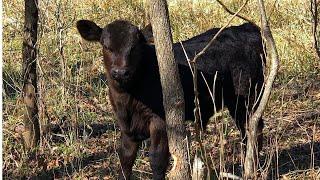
296 87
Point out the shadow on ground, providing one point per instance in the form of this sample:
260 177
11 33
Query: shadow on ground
76 165
84 131
296 159
95 130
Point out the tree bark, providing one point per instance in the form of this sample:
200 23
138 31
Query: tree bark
31 134
251 159
315 18
173 100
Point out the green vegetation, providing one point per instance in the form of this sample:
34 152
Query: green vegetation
292 118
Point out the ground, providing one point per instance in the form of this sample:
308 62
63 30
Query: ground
84 134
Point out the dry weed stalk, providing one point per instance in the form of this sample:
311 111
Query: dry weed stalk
197 122
193 68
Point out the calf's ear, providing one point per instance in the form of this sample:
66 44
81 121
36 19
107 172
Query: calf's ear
147 33
89 30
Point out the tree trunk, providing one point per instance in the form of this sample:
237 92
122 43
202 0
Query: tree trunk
251 159
31 135
315 18
173 100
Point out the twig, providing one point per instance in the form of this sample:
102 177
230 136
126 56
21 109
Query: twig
197 116
238 15
217 34
194 73
193 68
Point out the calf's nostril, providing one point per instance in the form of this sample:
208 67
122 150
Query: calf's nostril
114 74
119 74
126 74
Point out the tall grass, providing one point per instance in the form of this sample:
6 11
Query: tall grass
81 98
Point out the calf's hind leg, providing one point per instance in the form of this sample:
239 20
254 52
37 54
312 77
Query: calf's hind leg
127 153
239 112
159 150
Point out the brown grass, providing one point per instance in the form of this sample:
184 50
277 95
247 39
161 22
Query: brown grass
292 132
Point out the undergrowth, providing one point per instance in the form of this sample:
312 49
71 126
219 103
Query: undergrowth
79 104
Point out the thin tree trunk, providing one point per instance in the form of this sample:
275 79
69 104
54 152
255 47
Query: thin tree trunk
315 17
31 135
60 39
251 149
43 121
173 100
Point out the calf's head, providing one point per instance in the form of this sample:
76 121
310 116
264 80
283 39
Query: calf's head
122 45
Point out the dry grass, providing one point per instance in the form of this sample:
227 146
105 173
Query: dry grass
292 132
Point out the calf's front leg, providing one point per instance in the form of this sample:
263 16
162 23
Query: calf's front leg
127 153
159 150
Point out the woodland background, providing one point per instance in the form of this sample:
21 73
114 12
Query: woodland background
76 93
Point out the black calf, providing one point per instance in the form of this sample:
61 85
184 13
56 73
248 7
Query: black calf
135 89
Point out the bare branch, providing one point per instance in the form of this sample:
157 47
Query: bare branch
232 13
193 68
216 35
250 162
266 33
197 172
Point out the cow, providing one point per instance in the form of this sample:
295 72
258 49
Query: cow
233 63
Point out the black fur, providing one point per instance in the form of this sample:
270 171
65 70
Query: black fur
136 97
